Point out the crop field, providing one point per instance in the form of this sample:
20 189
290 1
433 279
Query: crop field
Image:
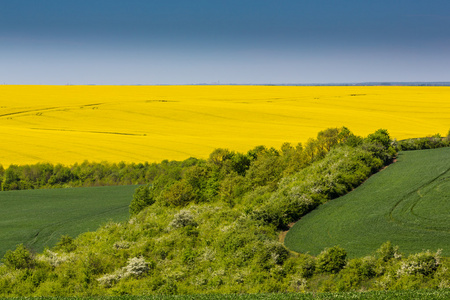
408 204
38 218
68 124
440 294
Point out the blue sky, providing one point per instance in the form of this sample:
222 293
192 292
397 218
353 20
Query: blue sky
223 41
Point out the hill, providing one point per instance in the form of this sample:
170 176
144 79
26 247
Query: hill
38 218
407 204
212 227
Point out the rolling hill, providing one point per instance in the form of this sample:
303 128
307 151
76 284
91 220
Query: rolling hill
407 204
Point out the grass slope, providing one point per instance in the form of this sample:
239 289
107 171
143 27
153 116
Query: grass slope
407 203
38 218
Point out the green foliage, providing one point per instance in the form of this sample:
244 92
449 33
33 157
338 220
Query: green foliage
20 258
66 244
430 142
331 260
45 175
307 266
142 198
381 136
298 194
179 194
425 263
182 219
387 251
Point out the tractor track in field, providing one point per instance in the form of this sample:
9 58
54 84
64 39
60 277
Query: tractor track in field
91 131
53 108
411 209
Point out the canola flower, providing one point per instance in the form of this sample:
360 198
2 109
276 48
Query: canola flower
68 124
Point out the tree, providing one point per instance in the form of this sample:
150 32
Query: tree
142 198
381 136
20 258
179 194
331 260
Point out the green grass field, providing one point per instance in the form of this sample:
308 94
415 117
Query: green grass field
408 204
38 218
374 295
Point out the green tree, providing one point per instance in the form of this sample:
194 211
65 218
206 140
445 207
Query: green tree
66 243
11 178
331 260
21 258
142 198
179 194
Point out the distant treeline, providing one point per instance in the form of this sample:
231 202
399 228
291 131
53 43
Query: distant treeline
431 142
259 160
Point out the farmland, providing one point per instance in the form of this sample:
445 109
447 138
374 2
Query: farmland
37 218
212 224
407 203
378 295
212 227
69 124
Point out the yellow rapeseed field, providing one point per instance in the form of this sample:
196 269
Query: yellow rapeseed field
68 124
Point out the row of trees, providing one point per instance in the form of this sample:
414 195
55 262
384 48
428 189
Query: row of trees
289 159
431 142
241 178
46 175
220 163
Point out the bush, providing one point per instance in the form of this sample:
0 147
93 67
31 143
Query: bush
66 244
179 194
136 267
307 267
21 258
331 260
182 219
141 199
425 263
386 252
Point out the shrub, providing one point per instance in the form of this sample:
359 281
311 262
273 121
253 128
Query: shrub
425 263
182 219
21 258
66 244
136 267
331 260
307 267
141 199
387 252
179 194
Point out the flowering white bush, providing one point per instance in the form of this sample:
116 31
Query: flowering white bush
182 219
136 267
53 258
425 263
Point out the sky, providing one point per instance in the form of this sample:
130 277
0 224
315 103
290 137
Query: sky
111 42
